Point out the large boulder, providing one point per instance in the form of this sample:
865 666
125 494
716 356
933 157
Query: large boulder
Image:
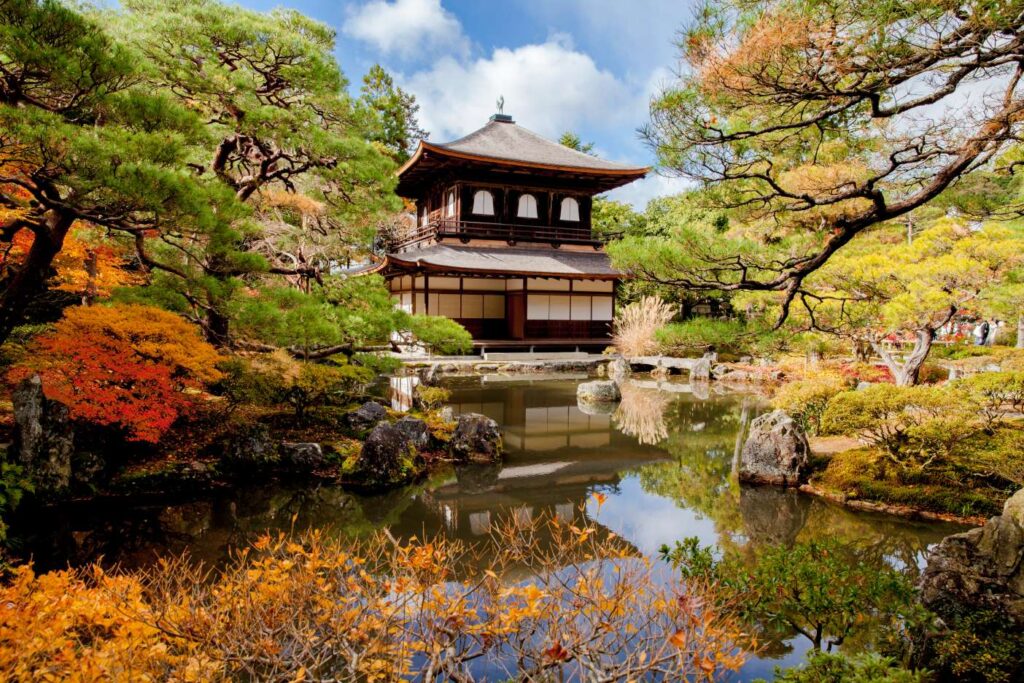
477 438
388 457
776 452
980 569
302 456
599 391
415 429
366 416
44 439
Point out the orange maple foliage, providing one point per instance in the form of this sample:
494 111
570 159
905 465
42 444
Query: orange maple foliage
541 598
86 265
127 366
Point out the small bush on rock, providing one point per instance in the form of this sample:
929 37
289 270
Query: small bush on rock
431 398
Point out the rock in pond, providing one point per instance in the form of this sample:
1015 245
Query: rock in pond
618 369
776 452
44 439
600 391
302 456
980 569
477 438
366 416
388 457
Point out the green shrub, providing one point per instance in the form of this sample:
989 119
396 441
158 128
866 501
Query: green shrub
824 590
378 363
980 646
13 485
321 385
871 667
440 335
805 400
930 373
914 426
431 398
245 383
995 393
698 335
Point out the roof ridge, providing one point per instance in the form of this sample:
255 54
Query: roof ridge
497 140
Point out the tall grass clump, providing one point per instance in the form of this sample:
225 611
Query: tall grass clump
634 328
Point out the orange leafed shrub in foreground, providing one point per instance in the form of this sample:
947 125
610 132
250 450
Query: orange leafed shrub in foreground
125 366
551 601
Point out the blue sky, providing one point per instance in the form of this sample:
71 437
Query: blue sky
589 66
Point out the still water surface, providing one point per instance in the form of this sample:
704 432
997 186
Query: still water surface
665 459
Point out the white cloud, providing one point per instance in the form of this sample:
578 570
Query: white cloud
548 87
639 192
407 28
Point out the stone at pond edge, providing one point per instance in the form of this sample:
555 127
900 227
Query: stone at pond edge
366 416
979 569
477 438
388 457
701 370
776 452
250 446
302 456
44 439
600 391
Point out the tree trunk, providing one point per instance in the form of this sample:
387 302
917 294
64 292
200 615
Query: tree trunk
217 327
1020 331
905 373
30 277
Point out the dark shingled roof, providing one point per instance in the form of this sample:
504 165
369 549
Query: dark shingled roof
510 142
502 145
535 262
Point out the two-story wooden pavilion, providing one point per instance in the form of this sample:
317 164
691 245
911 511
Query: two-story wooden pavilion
503 240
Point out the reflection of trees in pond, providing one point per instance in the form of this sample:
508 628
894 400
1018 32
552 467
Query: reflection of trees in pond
699 476
641 414
884 539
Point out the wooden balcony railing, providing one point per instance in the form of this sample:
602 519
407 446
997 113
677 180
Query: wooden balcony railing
512 233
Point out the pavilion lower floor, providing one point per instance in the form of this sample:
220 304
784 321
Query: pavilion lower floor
511 311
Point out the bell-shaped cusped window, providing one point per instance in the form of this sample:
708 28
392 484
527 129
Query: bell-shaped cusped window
570 210
483 203
527 206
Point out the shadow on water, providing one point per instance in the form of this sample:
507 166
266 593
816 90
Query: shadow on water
665 458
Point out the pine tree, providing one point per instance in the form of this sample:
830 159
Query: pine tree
395 111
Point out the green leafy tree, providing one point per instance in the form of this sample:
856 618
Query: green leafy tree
875 291
396 125
819 120
823 591
439 334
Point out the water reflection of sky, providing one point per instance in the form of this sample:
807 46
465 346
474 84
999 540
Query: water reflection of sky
647 520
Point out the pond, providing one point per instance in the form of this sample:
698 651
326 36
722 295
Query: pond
665 460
